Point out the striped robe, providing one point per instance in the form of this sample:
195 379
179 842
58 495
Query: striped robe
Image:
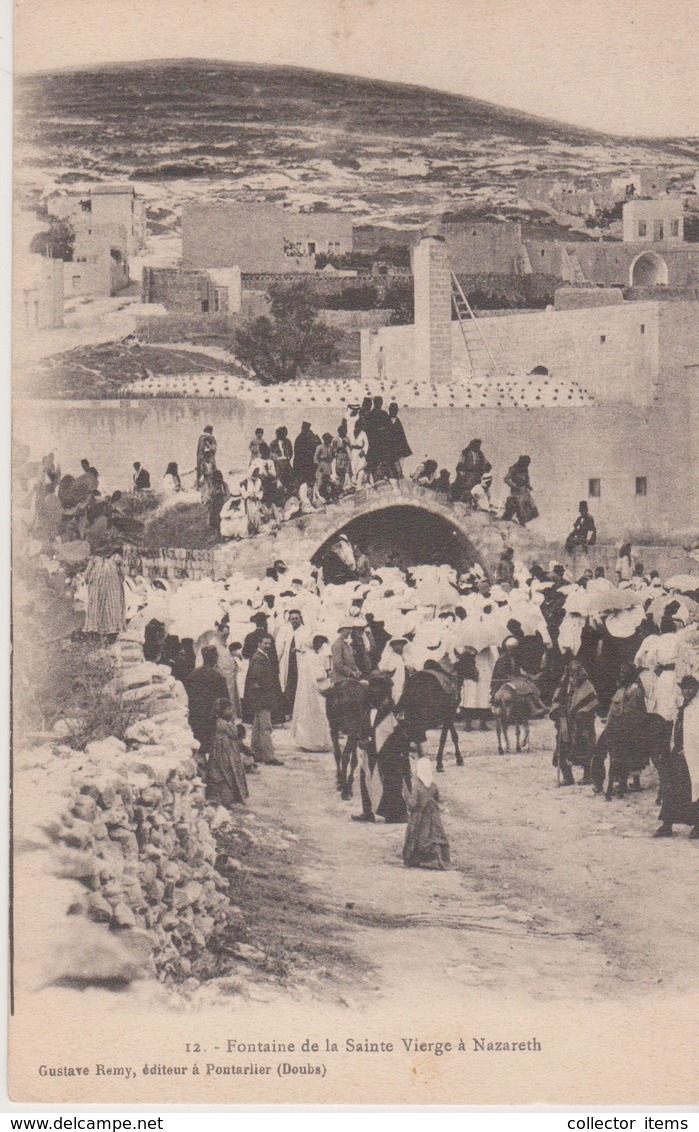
104 578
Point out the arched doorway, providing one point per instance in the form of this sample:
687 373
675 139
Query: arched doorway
648 270
405 536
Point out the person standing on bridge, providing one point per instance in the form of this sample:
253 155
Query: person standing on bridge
398 448
305 447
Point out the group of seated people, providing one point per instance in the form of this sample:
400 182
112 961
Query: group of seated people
473 482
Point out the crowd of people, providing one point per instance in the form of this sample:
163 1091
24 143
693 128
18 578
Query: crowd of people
616 662
285 479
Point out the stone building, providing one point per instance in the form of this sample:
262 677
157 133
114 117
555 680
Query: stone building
620 451
654 221
261 238
100 265
216 291
38 303
115 206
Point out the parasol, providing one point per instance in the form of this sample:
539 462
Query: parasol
683 583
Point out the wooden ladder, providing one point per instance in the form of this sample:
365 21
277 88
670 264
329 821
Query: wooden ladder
475 344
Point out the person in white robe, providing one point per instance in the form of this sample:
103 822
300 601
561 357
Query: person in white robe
291 637
234 519
392 662
310 730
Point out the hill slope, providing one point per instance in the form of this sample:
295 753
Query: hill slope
382 150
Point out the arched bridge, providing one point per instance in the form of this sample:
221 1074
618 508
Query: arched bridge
415 519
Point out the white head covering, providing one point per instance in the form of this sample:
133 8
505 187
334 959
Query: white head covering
423 770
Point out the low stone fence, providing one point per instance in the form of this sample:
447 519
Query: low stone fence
168 562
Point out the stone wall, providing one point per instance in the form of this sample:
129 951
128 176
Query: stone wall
118 842
170 563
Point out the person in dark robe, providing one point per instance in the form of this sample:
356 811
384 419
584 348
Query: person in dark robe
573 711
469 471
624 738
426 843
519 504
505 666
505 567
186 661
584 532
397 447
141 477
226 784
680 768
384 774
379 637
281 451
153 640
170 652
530 651
305 447
205 686
377 427
217 498
263 696
206 452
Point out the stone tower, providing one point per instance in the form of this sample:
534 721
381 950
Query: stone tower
432 275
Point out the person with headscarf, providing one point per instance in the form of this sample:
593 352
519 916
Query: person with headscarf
480 496
426 474
226 784
624 564
392 662
680 768
310 730
505 666
233 518
106 603
425 842
384 764
305 447
519 504
573 711
171 480
339 562
251 492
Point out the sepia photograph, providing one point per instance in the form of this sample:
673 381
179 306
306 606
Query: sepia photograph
355 537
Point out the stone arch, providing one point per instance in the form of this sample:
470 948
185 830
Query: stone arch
465 532
407 533
648 269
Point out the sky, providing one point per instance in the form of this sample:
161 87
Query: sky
624 66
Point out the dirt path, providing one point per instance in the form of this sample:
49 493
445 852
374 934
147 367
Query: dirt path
553 891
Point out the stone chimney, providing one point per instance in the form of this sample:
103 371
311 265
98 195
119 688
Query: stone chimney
432 276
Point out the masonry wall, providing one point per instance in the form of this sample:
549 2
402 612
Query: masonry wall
483 247
254 237
569 344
